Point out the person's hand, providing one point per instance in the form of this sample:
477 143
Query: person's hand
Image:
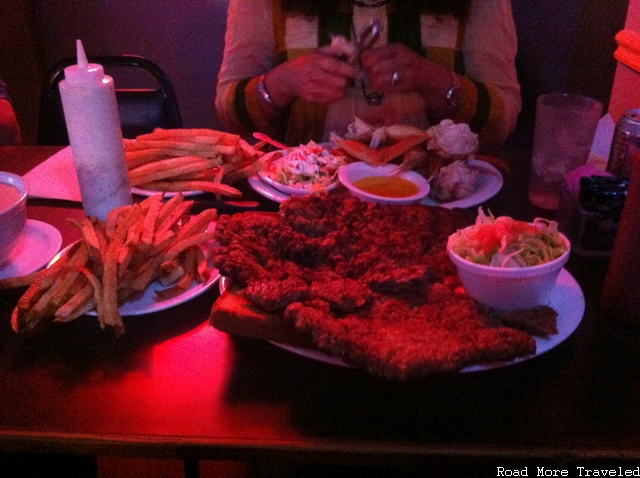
396 68
319 77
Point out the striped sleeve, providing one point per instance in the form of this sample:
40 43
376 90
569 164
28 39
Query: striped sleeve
492 92
484 57
483 109
250 35
244 114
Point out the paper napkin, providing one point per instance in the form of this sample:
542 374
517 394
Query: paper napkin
55 178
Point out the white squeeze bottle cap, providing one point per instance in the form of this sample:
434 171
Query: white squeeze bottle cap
95 135
84 73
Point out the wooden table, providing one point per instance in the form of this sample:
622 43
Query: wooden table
173 386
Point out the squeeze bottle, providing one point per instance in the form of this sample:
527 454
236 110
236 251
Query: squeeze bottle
93 124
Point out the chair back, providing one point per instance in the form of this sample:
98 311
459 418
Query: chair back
141 109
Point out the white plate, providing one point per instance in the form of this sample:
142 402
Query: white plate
148 303
36 246
265 190
167 194
567 299
488 183
267 187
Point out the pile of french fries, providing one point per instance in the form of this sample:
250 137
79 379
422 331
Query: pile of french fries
115 261
170 160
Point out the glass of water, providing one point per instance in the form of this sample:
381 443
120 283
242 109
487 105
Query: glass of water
564 130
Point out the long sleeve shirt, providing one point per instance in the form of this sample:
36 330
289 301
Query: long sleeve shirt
481 49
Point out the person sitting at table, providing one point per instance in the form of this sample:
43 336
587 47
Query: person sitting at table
434 59
9 128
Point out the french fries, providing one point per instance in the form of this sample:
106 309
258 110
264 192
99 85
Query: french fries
114 262
198 159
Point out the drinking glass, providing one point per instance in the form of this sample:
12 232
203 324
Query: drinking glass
564 130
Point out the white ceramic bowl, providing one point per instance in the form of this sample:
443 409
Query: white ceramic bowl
508 288
351 173
14 217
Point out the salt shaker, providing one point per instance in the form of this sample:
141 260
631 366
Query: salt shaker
621 292
93 123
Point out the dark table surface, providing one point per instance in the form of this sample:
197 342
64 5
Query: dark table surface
174 386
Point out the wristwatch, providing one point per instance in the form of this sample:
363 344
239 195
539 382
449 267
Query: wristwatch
454 97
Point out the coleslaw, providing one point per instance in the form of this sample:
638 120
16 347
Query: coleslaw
309 167
506 242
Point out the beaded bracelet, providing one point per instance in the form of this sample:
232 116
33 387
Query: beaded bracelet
265 96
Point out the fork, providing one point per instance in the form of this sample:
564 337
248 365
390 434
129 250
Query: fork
368 37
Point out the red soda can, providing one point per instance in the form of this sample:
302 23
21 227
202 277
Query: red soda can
625 145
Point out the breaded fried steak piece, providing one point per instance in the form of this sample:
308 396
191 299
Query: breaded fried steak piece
395 341
540 321
343 295
370 283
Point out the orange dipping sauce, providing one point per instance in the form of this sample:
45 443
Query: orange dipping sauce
387 186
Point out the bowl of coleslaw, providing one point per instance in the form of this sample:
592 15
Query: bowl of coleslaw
302 169
507 264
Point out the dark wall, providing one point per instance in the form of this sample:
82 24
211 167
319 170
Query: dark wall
18 62
564 46
185 38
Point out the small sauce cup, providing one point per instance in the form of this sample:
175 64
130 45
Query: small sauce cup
13 212
353 175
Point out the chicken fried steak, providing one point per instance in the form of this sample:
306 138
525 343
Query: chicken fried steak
394 340
370 283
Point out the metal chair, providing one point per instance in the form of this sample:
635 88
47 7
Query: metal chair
141 109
